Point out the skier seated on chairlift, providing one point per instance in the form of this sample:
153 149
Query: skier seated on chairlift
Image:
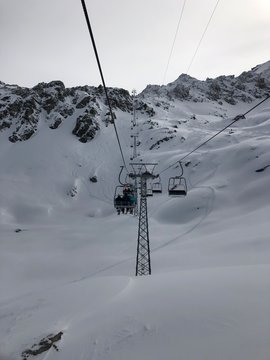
133 201
126 203
127 190
118 203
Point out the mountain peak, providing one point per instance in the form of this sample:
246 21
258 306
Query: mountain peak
262 68
246 87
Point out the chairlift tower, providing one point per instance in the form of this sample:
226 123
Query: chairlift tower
134 93
135 154
134 126
135 147
143 173
136 183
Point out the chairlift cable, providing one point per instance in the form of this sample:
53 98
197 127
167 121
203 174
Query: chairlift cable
201 39
236 118
102 78
173 43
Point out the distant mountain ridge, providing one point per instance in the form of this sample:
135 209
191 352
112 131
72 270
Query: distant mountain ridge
246 87
23 110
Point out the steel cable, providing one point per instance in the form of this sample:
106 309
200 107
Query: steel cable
102 78
236 118
175 36
199 44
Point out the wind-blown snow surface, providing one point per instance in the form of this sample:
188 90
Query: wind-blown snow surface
71 267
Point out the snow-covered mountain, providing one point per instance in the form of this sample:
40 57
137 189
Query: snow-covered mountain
230 89
22 110
67 261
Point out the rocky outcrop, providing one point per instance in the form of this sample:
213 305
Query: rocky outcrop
22 110
120 99
247 87
27 114
43 345
85 128
145 108
156 144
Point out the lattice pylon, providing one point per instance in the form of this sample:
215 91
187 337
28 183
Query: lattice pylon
143 261
136 184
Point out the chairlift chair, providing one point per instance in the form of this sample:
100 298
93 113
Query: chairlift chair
122 204
157 186
149 191
177 184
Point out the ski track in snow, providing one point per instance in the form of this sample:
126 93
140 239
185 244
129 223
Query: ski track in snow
192 228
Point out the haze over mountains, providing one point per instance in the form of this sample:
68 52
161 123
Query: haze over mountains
67 261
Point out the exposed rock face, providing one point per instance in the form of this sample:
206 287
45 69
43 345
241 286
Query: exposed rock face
145 108
181 92
85 128
120 99
22 110
246 87
85 101
93 179
44 345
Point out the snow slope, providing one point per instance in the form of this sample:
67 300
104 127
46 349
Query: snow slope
67 261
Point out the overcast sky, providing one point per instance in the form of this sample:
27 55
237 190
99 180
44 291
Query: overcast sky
48 40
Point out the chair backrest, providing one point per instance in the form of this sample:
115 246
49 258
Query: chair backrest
177 186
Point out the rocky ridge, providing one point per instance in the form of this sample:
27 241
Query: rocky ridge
24 110
246 87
